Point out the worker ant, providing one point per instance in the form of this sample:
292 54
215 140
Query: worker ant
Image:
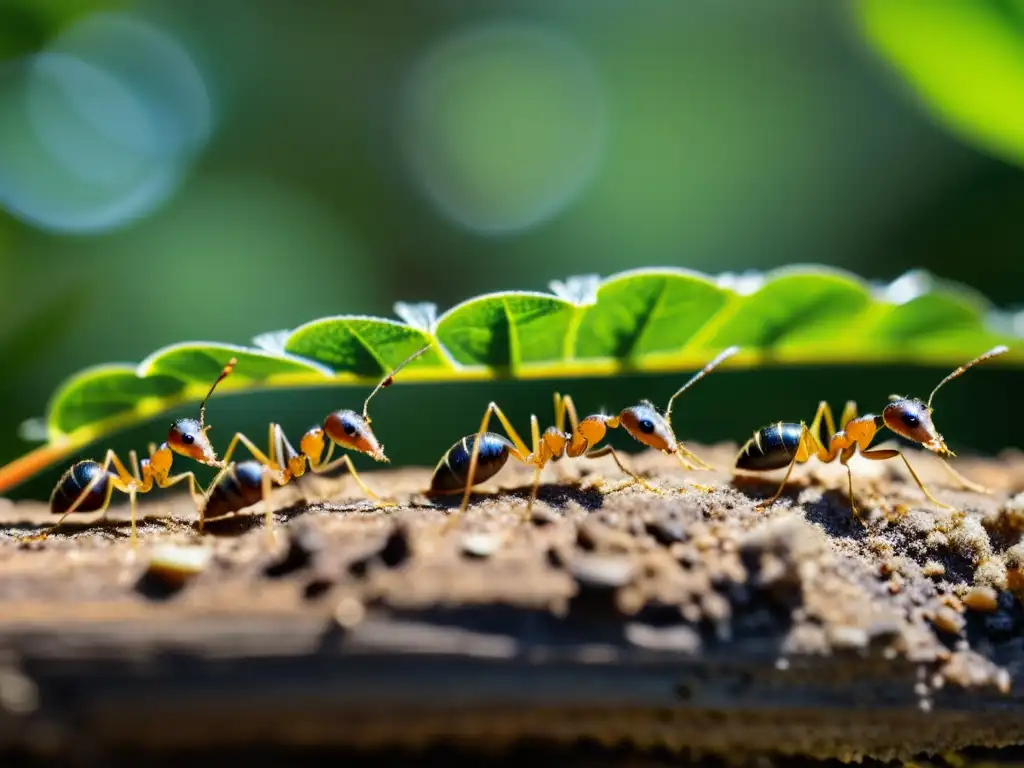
478 457
89 485
786 443
241 484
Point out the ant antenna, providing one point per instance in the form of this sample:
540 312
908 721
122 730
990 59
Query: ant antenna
223 375
963 368
388 380
725 354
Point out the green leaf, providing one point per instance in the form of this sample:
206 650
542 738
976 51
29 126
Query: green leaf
646 320
108 393
647 312
361 346
504 331
965 60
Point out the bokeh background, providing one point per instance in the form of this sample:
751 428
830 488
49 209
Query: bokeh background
180 170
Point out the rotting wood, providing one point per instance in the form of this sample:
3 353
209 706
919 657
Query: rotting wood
684 621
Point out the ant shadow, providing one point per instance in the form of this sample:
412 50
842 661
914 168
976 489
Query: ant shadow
115 527
556 495
253 518
832 511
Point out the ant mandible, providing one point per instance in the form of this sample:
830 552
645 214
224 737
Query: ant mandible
487 452
242 484
787 443
89 485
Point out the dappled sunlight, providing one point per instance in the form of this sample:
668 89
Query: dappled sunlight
504 125
99 128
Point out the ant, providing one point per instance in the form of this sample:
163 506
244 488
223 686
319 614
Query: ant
487 452
242 484
786 443
89 485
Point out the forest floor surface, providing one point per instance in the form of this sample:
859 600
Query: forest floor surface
680 621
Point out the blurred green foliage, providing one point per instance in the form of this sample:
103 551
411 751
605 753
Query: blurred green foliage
361 154
964 60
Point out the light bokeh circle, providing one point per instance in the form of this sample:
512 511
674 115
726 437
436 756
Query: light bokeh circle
503 125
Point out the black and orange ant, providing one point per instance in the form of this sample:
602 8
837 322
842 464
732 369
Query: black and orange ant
478 457
241 484
789 443
89 485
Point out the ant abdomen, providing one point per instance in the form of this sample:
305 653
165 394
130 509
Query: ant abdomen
76 480
770 448
451 473
237 489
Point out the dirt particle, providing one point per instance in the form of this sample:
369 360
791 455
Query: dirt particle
18 693
480 545
170 567
969 539
967 669
603 571
982 600
848 637
1008 521
991 573
349 612
948 620
889 566
178 563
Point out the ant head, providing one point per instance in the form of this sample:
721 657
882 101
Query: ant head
646 425
188 437
352 431
912 418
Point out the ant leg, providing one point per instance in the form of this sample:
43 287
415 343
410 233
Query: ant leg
634 478
968 484
474 454
538 465
559 412
197 496
209 491
131 504
268 513
570 411
808 440
844 459
261 457
824 412
698 462
88 489
346 460
124 480
767 503
133 459
882 454
688 466
849 413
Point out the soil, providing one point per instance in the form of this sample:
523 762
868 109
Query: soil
673 621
